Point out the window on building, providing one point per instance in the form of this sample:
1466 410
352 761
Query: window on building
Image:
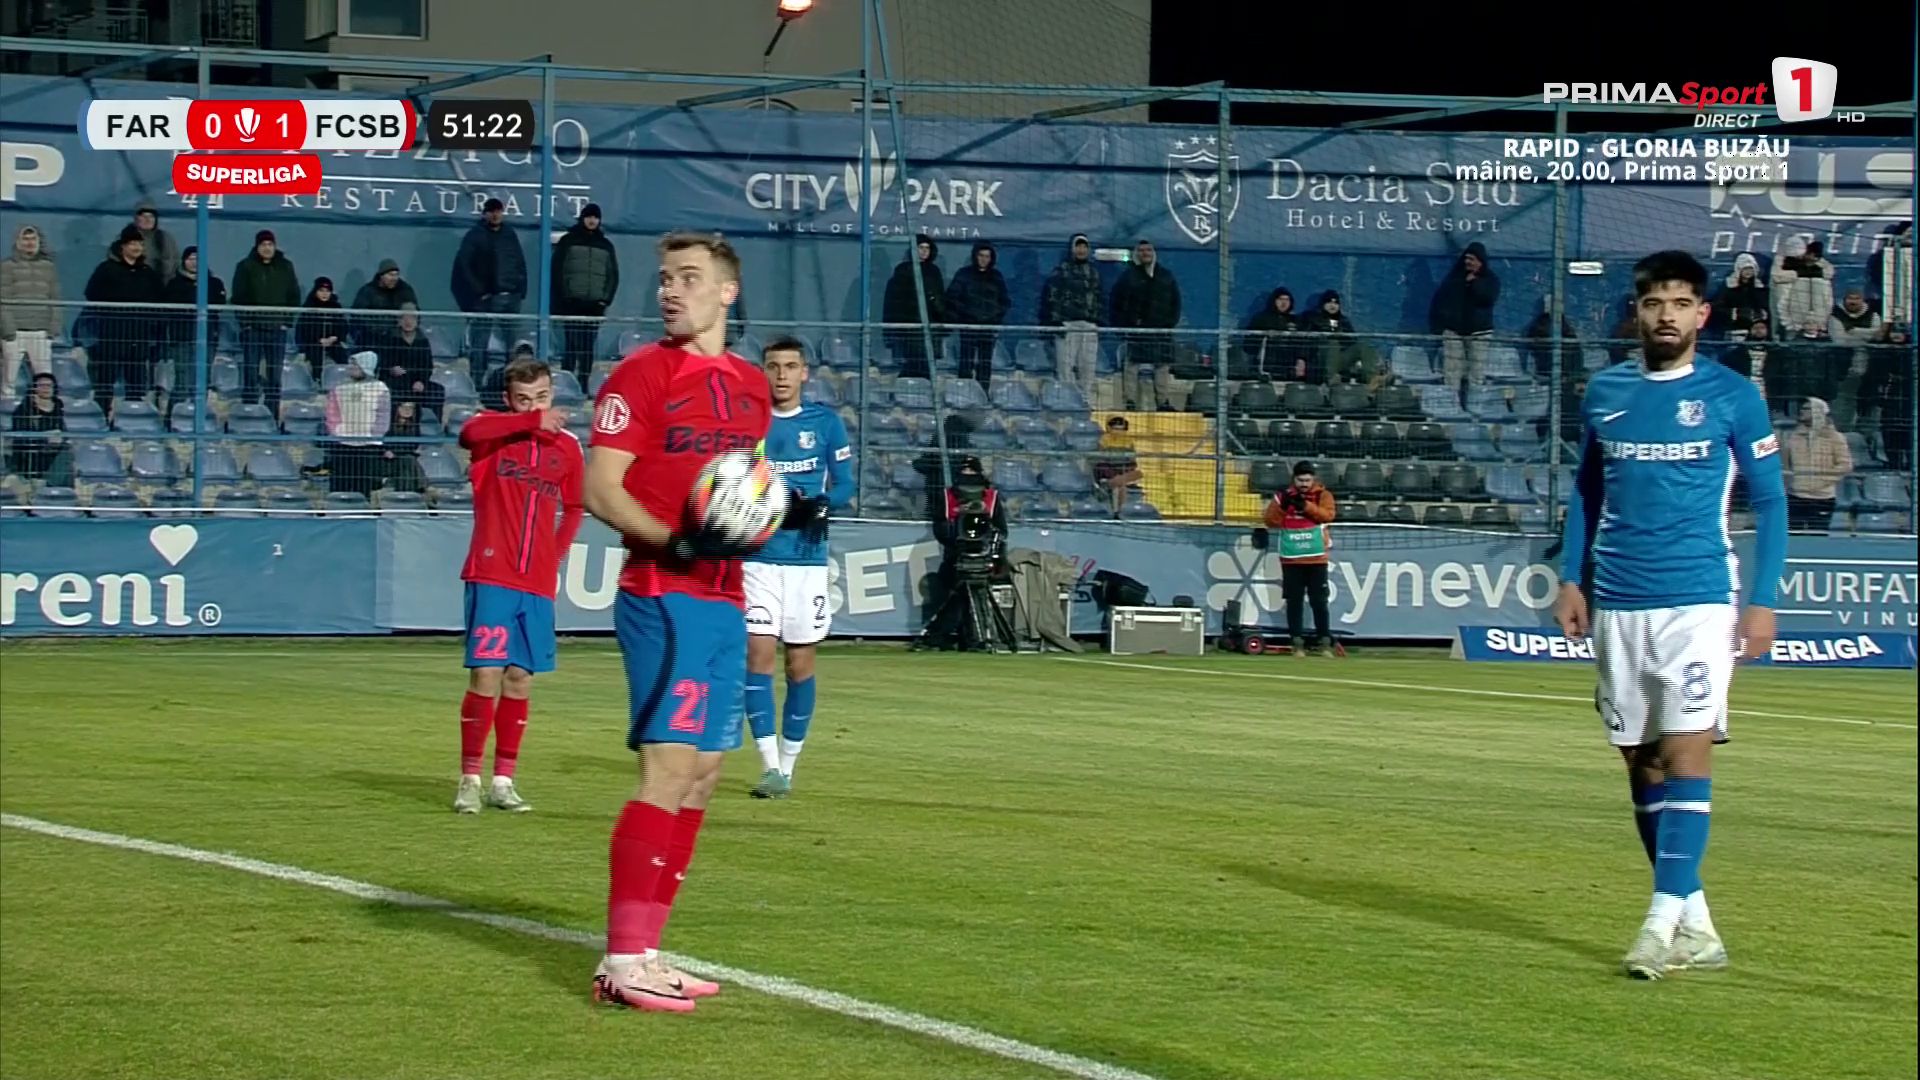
383 18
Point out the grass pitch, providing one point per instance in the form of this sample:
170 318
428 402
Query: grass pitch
1189 869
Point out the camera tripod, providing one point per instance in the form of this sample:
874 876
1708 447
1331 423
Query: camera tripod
982 625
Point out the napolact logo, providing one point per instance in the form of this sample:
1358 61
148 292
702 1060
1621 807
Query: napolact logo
70 600
1195 196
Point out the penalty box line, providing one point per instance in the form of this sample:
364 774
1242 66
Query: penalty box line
826 1000
1370 684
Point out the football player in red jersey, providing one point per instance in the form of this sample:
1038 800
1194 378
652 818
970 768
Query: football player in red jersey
667 410
526 467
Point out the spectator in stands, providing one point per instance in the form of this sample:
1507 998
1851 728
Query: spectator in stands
1889 382
1072 300
1299 517
493 392
1147 298
1854 323
1270 349
29 287
406 363
1116 469
977 296
39 448
901 307
264 280
1573 394
1898 236
162 253
1805 366
359 413
1339 355
1743 299
183 327
386 294
1540 333
126 335
1462 314
586 275
489 282
402 460
1750 358
1623 337
320 331
1816 458
1802 284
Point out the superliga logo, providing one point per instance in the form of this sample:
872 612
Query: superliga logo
1800 89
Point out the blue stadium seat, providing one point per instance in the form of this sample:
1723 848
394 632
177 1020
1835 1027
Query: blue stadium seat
170 502
1412 364
1840 522
1032 433
1067 476
1495 518
269 463
958 393
114 500
1475 442
580 424
991 434
1032 355
440 467
1503 365
237 503
137 418
402 500
887 504
1508 483
347 502
1593 358
748 348
72 377
1012 395
96 462
296 379
55 502
252 420
285 498
1880 521
154 463
889 429
1520 442
839 352
1532 403
820 390
914 393
457 417
1016 474
1080 433
304 418
223 375
1866 455
453 498
1533 520
901 476
1440 403
180 418
1540 483
1089 507
1883 491
85 418
216 463
441 344
1062 397
1141 510
566 389
458 385
1444 515
1488 403
332 375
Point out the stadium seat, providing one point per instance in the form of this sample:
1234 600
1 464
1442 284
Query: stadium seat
1032 355
137 418
440 467
296 379
332 375
55 502
1880 521
270 463
1395 513
304 418
1247 436
72 377
963 394
1016 474
1031 433
1381 439
1883 491
347 502
821 391
1366 480
458 386
1256 398
251 420
1081 434
1012 395
1355 513
1497 518
1139 511
1267 477
1444 515
1062 397
1440 403
1503 365
1412 364
1204 398
1475 442
1399 402
566 388
1088 507
215 461
839 352
1488 403
180 418
1350 400
1540 483
441 344
1334 438
580 425
1533 520
1531 403
85 418
1459 481
1865 454
1305 400
154 463
401 500
914 393
1508 483
96 462
748 348
887 505
1429 440
453 499
285 499
114 500
1593 358
900 475
457 417
223 376
1289 438
1411 481
170 502
990 434
1067 476
237 503
889 429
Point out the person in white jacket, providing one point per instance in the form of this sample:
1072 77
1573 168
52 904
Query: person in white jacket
1802 286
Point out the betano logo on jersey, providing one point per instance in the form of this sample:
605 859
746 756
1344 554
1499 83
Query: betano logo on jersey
682 439
72 600
1694 450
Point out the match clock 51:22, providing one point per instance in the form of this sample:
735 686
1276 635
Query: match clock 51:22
462 124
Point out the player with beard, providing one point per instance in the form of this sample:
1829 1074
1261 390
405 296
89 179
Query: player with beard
1648 520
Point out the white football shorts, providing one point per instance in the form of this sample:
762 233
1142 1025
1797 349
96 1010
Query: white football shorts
1664 671
789 602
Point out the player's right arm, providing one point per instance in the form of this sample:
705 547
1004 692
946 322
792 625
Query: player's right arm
622 423
481 435
1756 452
1583 511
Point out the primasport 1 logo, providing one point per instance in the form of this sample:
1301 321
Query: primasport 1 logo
1799 90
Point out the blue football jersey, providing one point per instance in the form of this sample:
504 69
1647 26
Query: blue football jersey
809 449
1658 461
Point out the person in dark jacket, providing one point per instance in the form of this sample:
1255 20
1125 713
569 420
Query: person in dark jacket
406 363
901 306
1147 298
1339 355
586 275
1073 300
126 335
489 281
183 327
162 253
264 279
320 332
1742 300
977 296
1269 348
384 296
1539 333
39 448
1462 314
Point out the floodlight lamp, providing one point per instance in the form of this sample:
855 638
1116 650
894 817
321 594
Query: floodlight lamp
789 10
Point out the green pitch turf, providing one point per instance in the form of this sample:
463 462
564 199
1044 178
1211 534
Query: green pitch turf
1189 869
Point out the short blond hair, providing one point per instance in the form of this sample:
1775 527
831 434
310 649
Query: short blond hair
712 243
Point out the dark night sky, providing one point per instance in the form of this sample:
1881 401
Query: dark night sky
1500 48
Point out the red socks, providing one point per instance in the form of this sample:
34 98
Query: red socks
476 719
679 856
509 726
636 858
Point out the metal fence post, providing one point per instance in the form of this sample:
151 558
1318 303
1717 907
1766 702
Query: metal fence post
1559 271
203 319
1223 314
543 337
866 236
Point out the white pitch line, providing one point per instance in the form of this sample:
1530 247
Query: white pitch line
1473 692
958 1034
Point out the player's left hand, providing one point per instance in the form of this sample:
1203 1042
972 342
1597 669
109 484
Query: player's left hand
1755 633
804 512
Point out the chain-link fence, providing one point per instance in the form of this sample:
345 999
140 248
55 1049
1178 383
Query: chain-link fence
1122 319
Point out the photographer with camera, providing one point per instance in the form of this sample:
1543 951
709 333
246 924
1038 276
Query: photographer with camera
1299 516
971 527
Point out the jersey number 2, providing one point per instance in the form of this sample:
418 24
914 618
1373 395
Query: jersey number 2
489 643
691 714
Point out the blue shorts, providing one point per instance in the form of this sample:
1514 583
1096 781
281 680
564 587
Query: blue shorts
686 662
509 628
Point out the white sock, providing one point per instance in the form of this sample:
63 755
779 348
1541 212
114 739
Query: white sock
1664 913
769 747
1694 915
622 961
502 781
789 753
649 954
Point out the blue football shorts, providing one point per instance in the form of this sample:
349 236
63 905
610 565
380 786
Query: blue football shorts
686 663
509 628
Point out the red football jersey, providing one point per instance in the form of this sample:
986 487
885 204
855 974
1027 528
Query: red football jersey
522 477
674 412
